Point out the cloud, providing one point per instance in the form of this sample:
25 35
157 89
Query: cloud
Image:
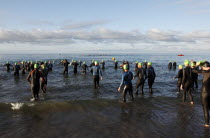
102 35
40 22
83 25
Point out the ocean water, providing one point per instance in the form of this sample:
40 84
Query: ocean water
73 108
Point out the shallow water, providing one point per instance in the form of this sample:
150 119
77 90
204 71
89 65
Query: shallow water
72 108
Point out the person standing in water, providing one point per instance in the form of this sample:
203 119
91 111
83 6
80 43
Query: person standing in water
44 72
174 65
187 82
16 69
75 64
205 91
136 66
179 76
97 73
34 80
103 64
115 64
66 66
84 68
32 65
142 76
151 76
194 75
8 65
170 65
23 67
127 78
50 66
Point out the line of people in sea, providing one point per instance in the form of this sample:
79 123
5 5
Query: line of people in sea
187 77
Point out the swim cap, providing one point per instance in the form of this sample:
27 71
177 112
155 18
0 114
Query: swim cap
139 64
198 63
115 60
186 62
145 61
149 63
92 61
45 62
84 62
43 66
193 64
96 62
36 66
102 60
7 62
180 66
125 67
15 63
206 64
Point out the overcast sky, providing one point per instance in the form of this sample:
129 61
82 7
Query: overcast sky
104 26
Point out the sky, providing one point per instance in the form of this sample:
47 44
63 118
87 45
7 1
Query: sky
105 26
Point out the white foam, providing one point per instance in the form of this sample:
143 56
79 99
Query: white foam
16 106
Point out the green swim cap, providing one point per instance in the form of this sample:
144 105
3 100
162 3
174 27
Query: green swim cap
102 60
92 61
192 64
186 62
149 63
198 63
96 62
43 66
15 63
84 62
145 61
7 62
180 66
139 64
125 67
115 61
36 66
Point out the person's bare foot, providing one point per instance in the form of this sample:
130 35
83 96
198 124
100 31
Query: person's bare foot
192 102
206 125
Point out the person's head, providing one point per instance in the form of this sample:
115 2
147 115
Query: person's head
15 63
84 62
140 65
92 61
102 61
186 62
36 66
125 67
115 61
180 67
137 62
96 63
7 62
145 61
206 64
149 64
43 66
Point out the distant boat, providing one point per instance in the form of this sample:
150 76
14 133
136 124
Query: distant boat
180 55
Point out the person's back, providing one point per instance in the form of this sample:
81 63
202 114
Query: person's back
96 74
96 70
128 76
141 73
151 73
174 65
35 77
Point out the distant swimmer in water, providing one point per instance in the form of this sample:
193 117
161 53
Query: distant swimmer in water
151 76
8 65
142 76
84 68
50 66
170 65
23 67
205 91
16 69
179 76
97 74
66 66
34 80
115 64
126 83
174 65
187 82
103 64
44 72
80 63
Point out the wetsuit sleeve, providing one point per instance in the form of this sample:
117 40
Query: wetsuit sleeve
137 73
145 73
184 77
29 76
122 80
154 73
100 72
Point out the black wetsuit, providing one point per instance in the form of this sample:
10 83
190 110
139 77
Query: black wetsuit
65 70
179 76
28 66
23 68
127 85
187 82
174 65
136 67
35 76
145 65
142 76
75 64
16 70
195 78
103 65
84 68
32 66
169 65
44 73
151 78
8 66
115 65
50 66
205 93
96 75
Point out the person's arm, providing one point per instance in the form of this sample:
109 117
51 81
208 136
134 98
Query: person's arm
145 73
100 72
184 78
29 76
154 73
121 83
137 74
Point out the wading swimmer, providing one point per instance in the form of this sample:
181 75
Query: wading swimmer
44 72
151 76
179 76
66 66
127 78
97 73
141 74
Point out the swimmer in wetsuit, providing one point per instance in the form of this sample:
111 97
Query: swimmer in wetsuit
126 83
8 66
66 66
142 76
103 64
34 80
97 73
16 69
174 65
170 65
145 64
44 71
187 82
75 64
179 76
115 64
50 66
151 76
194 75
205 91
84 68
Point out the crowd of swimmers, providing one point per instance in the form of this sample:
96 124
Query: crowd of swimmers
187 77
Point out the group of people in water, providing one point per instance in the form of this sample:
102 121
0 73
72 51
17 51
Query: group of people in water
187 77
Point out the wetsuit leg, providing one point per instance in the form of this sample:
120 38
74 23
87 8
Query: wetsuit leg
150 83
196 84
137 85
205 99
142 87
96 81
179 83
184 96
124 93
130 89
190 95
